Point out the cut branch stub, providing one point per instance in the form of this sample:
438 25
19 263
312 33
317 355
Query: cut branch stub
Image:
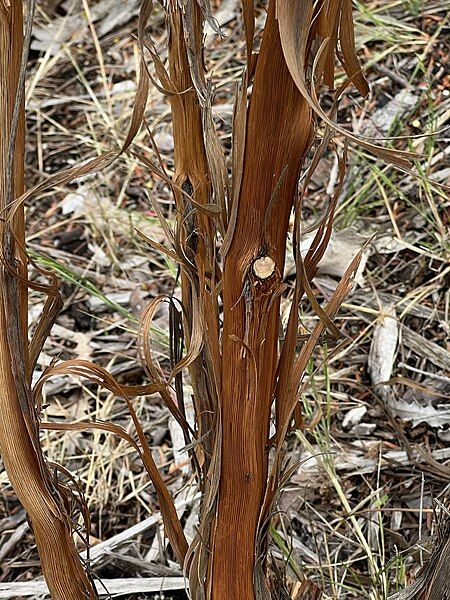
264 267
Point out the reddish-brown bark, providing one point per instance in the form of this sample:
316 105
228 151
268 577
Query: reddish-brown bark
278 133
19 441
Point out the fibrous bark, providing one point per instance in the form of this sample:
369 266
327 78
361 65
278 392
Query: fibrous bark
19 439
236 369
278 134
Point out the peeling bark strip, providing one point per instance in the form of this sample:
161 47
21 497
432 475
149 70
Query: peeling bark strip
195 235
199 191
19 441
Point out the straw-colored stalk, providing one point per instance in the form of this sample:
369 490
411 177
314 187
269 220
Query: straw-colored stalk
19 440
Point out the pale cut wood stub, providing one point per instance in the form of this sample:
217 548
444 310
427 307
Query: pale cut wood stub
264 267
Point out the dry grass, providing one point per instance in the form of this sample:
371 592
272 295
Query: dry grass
357 517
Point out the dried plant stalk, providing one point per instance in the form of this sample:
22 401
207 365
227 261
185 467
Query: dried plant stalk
237 368
279 129
192 187
19 440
